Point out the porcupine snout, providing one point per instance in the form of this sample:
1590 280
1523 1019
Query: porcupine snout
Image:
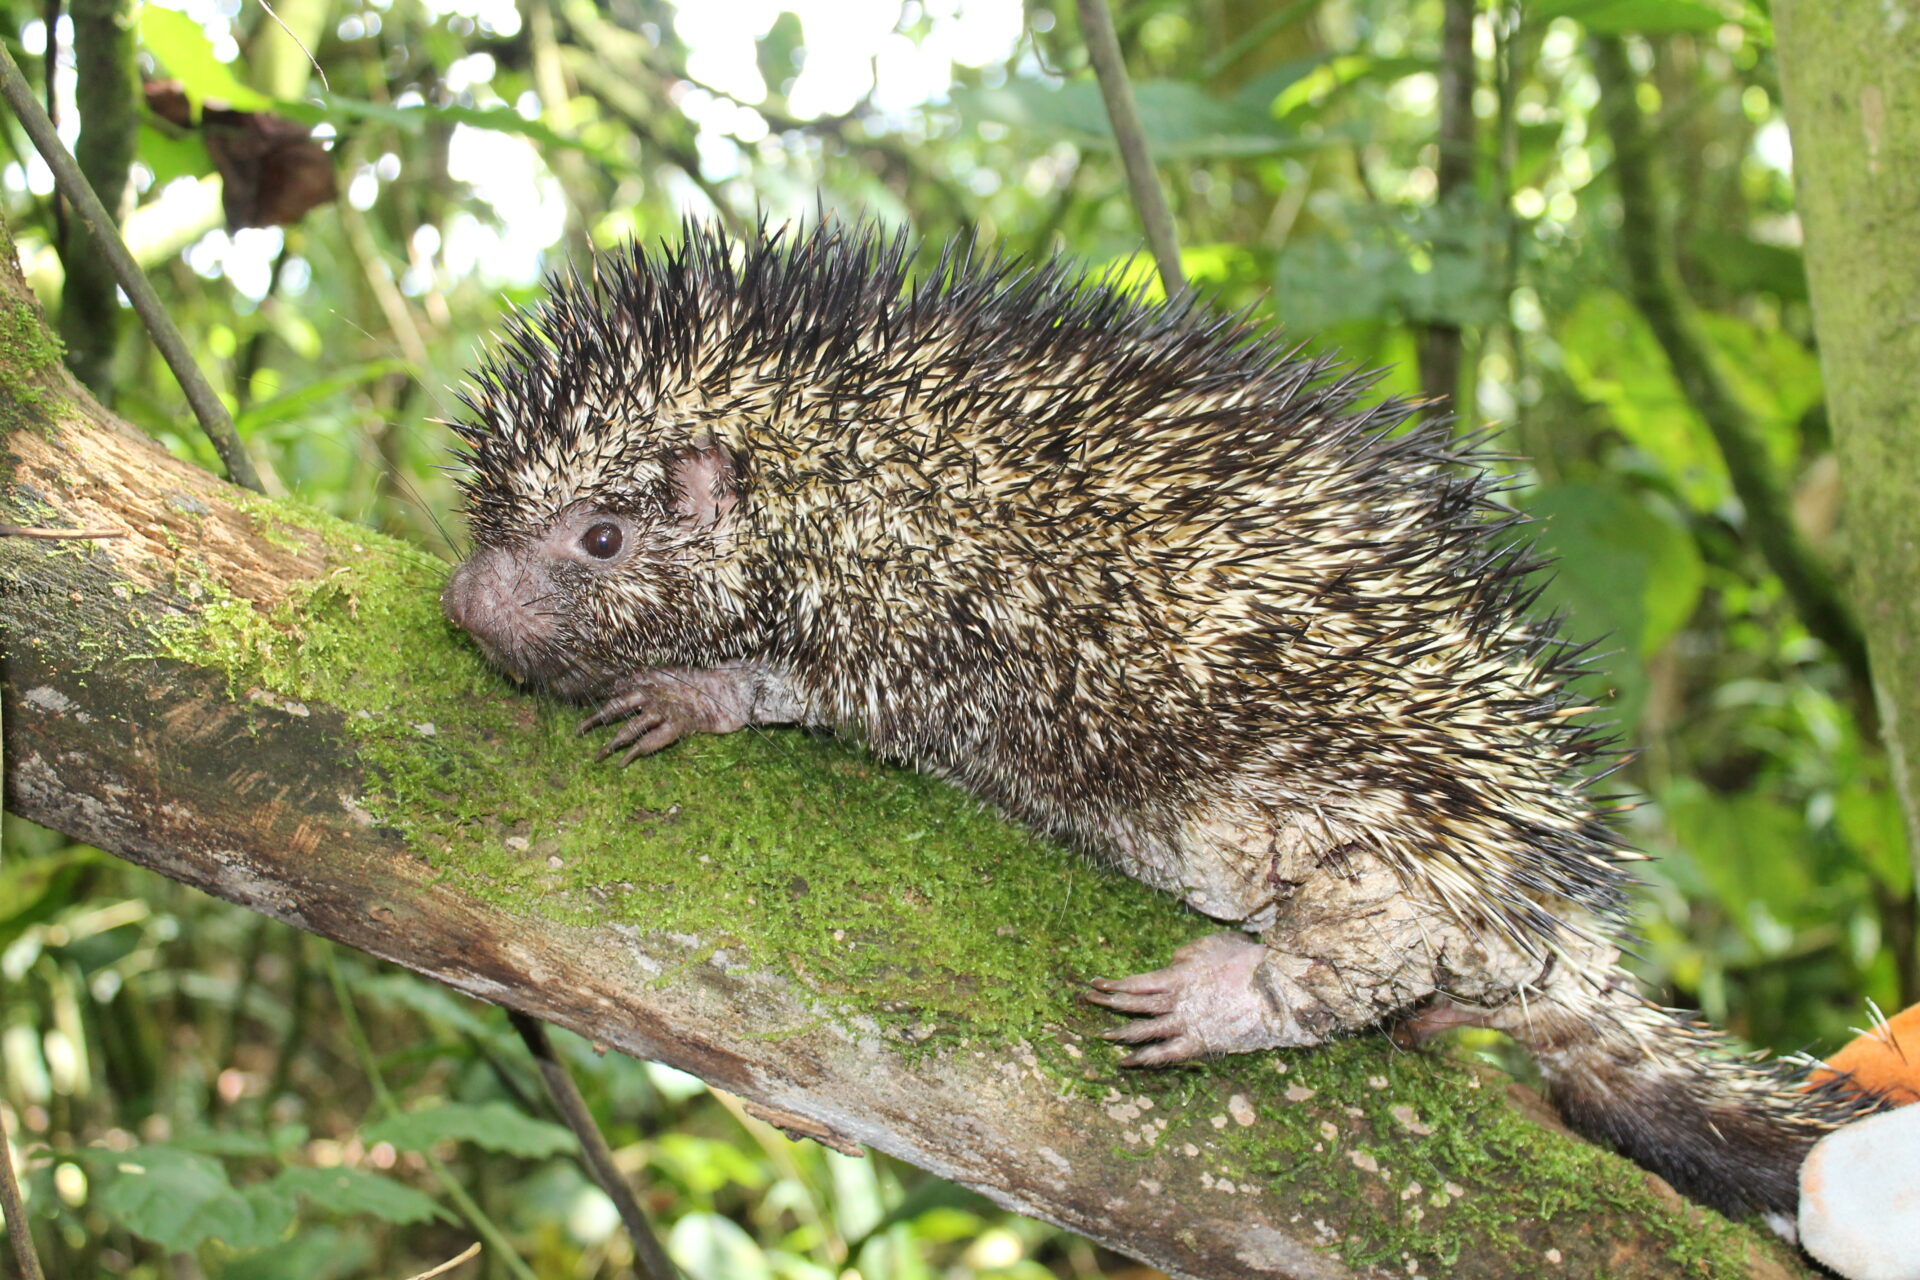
492 597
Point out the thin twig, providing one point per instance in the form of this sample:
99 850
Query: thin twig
1103 46
12 1208
471 1251
24 531
649 1258
72 184
18 1230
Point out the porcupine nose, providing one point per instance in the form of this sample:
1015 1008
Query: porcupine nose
465 597
486 597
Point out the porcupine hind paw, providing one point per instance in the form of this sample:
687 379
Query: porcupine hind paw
1208 1001
663 705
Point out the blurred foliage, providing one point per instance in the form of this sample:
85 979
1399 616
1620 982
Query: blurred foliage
188 1095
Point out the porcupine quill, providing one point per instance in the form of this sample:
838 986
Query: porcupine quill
1146 579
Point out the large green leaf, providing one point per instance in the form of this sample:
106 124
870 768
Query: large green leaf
182 1199
351 1192
494 1126
1868 813
1753 851
1425 266
1181 120
1624 568
1775 378
1626 575
1613 359
1741 264
296 401
315 1253
1641 17
183 49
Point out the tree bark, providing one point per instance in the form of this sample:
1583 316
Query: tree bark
1853 103
264 703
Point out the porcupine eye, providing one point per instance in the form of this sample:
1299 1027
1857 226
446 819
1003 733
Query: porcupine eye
602 541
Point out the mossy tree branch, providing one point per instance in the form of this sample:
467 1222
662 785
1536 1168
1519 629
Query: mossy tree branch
264 703
1647 247
1847 72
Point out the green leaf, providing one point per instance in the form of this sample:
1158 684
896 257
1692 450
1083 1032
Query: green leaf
492 1126
181 1199
1741 264
703 1165
348 1192
1641 17
1775 378
413 994
342 112
1325 84
1181 121
1869 817
1753 851
173 156
1626 574
1631 570
1613 359
36 890
182 47
222 1142
316 1253
294 402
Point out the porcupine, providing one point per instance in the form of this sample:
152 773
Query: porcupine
1146 580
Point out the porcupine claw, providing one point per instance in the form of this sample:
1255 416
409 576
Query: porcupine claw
1203 1003
663 705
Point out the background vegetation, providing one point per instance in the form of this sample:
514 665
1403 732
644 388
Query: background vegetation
1575 217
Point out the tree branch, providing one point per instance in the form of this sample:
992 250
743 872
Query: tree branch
1440 343
265 703
212 414
1103 46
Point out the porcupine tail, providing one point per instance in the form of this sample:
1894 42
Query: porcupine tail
1726 1127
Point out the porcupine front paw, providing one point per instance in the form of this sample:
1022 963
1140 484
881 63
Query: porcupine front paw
1208 1001
663 705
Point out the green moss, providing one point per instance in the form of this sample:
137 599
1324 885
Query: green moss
785 848
890 897
27 352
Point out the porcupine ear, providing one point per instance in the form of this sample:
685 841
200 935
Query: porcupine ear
705 480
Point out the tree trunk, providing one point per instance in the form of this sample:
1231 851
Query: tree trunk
265 703
1847 72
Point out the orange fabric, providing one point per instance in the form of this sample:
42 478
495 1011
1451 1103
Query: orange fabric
1891 1069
